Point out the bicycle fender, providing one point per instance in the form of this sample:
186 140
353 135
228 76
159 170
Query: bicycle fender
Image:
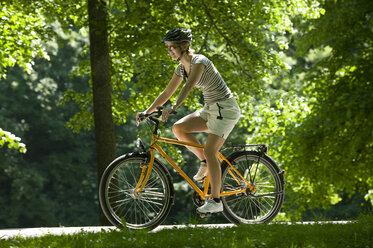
231 157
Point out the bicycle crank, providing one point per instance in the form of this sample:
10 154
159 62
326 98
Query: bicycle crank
197 199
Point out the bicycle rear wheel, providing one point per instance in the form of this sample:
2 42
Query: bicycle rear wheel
119 200
262 172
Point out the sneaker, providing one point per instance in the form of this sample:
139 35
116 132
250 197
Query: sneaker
211 206
202 172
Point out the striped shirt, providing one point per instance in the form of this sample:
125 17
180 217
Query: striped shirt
213 87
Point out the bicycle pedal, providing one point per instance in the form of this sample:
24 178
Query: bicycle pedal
201 180
204 215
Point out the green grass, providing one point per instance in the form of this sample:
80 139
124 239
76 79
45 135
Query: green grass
355 234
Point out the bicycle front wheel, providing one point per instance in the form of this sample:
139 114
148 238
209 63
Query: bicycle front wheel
259 206
120 201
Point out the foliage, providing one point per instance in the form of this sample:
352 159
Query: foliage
54 183
19 45
301 71
321 127
12 141
340 125
244 54
22 32
353 234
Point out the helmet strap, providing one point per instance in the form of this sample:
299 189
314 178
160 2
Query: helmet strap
181 55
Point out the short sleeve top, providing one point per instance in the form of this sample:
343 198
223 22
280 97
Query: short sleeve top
213 87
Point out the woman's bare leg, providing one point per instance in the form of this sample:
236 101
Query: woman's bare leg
213 145
184 129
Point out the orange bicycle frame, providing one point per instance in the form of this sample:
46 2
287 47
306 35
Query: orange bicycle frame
146 169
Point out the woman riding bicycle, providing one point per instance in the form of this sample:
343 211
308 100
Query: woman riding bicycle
218 117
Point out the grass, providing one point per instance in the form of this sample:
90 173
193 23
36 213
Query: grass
355 234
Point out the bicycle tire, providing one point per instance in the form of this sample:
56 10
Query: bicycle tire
119 202
262 172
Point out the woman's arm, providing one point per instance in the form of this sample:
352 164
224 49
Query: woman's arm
166 94
194 77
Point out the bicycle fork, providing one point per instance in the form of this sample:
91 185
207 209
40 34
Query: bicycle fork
146 169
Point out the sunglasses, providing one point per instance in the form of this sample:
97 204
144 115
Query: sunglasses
172 47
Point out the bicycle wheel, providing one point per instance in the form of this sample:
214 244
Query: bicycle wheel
119 201
252 207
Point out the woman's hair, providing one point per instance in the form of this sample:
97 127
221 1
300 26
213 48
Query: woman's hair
189 50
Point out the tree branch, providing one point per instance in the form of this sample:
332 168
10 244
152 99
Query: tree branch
204 45
230 44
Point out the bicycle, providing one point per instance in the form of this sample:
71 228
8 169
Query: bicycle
136 189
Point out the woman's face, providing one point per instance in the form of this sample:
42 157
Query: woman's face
173 50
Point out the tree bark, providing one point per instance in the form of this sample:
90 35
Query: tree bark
100 75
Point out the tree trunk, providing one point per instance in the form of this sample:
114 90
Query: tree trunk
100 74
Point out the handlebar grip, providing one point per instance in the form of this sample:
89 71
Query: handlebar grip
155 114
142 117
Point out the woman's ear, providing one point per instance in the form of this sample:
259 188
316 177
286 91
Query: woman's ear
185 46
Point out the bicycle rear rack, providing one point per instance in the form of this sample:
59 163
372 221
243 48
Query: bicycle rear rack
262 148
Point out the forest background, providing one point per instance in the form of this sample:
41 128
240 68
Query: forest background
301 70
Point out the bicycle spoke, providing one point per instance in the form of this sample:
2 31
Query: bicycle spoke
269 195
258 205
139 209
122 178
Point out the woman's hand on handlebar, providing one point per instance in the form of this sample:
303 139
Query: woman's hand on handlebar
165 113
140 116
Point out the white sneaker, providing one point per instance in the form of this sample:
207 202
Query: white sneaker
202 172
211 206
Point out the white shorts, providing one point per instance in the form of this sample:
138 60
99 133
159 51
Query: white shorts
221 117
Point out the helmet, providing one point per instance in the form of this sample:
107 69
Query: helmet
178 35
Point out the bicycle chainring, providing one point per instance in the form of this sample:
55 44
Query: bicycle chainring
197 200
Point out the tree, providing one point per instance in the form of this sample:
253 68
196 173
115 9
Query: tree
339 125
321 126
54 183
100 74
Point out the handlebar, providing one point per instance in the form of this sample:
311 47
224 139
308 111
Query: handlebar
153 117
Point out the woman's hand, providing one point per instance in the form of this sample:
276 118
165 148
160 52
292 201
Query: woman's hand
138 117
166 112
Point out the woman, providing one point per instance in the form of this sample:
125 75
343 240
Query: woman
218 117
